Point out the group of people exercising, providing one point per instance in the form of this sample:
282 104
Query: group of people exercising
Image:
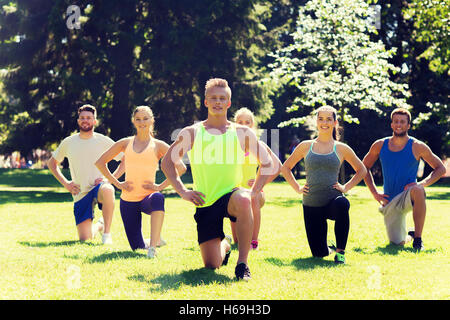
230 166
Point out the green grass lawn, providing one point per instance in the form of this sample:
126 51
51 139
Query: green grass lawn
42 259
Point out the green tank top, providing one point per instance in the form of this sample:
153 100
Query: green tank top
216 162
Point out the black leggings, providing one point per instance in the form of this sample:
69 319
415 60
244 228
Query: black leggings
316 225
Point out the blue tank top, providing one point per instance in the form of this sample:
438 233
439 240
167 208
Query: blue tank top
399 168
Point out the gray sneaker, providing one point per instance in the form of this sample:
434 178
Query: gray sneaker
151 253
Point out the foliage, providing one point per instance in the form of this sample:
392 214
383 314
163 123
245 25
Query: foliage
160 53
126 53
431 22
332 61
429 89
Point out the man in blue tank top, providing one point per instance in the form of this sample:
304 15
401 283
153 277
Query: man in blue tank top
400 156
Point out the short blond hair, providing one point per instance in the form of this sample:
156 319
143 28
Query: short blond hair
217 82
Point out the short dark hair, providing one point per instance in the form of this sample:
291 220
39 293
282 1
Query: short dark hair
401 111
89 108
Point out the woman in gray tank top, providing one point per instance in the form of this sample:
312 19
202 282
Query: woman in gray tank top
323 195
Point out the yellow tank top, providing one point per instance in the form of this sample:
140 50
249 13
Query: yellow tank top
249 169
139 167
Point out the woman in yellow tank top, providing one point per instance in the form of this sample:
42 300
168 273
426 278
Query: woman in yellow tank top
139 191
245 117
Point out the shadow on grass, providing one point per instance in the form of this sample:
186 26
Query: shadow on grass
33 197
118 255
283 202
194 278
8 196
303 263
44 244
29 178
437 195
392 249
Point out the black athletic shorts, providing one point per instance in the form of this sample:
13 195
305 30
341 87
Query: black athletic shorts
210 219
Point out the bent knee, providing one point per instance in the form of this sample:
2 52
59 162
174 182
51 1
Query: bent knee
158 197
261 199
417 191
342 203
241 200
106 189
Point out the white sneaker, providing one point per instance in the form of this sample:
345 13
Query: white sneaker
151 252
98 227
106 238
162 242
229 239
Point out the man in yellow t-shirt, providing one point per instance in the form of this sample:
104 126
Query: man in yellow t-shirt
86 184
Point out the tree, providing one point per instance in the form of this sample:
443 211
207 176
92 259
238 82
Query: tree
430 18
332 61
125 54
429 79
417 30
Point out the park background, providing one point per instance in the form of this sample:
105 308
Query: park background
282 59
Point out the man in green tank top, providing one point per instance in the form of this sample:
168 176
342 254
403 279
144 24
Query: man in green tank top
216 149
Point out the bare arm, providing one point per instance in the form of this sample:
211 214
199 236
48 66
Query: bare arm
276 163
357 165
369 160
249 142
120 170
174 155
286 170
106 157
161 150
433 161
71 186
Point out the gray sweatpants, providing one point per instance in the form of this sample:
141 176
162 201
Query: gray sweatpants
395 216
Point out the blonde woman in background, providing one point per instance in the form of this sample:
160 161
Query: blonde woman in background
245 117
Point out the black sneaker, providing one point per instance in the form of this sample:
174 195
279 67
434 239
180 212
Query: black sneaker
418 244
227 256
242 272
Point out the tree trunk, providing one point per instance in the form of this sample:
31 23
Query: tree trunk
123 65
341 138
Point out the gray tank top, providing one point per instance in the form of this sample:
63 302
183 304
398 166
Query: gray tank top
322 172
